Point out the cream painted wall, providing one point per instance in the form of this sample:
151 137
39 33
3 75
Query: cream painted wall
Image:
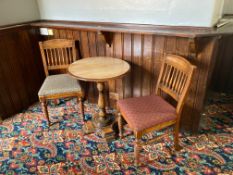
217 11
17 11
159 12
228 7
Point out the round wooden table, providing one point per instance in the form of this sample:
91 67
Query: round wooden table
100 70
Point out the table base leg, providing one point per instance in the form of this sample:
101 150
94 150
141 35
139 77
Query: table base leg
88 127
107 132
100 122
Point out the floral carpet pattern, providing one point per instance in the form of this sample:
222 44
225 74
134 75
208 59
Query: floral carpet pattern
28 147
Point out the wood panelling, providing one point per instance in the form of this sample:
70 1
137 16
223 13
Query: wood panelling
145 53
144 48
222 79
20 70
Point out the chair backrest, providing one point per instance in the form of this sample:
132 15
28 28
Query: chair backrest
175 79
57 54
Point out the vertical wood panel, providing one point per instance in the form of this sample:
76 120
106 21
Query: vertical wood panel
222 79
76 37
101 51
205 60
69 34
101 45
6 97
170 45
182 47
13 73
118 53
28 66
137 62
127 45
20 69
62 34
158 52
84 44
146 65
5 103
34 64
110 85
92 43
56 34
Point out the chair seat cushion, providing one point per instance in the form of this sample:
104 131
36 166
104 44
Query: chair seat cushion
145 112
56 84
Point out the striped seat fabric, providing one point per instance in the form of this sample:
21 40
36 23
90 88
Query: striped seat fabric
56 84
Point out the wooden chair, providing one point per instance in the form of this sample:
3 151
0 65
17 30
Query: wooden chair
57 54
151 113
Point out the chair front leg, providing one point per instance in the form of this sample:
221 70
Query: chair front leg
45 110
120 125
137 148
176 136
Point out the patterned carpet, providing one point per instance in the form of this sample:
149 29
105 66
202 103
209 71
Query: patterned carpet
27 147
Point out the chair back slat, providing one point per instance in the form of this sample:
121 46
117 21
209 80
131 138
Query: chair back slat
179 83
57 54
62 56
69 55
175 78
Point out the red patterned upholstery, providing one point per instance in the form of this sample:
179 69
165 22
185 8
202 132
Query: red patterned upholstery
145 112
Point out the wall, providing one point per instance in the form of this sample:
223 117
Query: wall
228 7
21 70
17 11
217 11
159 12
166 12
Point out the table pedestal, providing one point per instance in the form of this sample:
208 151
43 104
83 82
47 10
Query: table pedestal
102 122
101 119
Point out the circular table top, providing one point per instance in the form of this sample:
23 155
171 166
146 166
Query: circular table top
98 69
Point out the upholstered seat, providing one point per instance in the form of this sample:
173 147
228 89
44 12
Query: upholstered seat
57 84
145 112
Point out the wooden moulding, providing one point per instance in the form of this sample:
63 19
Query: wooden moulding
181 31
122 27
16 27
